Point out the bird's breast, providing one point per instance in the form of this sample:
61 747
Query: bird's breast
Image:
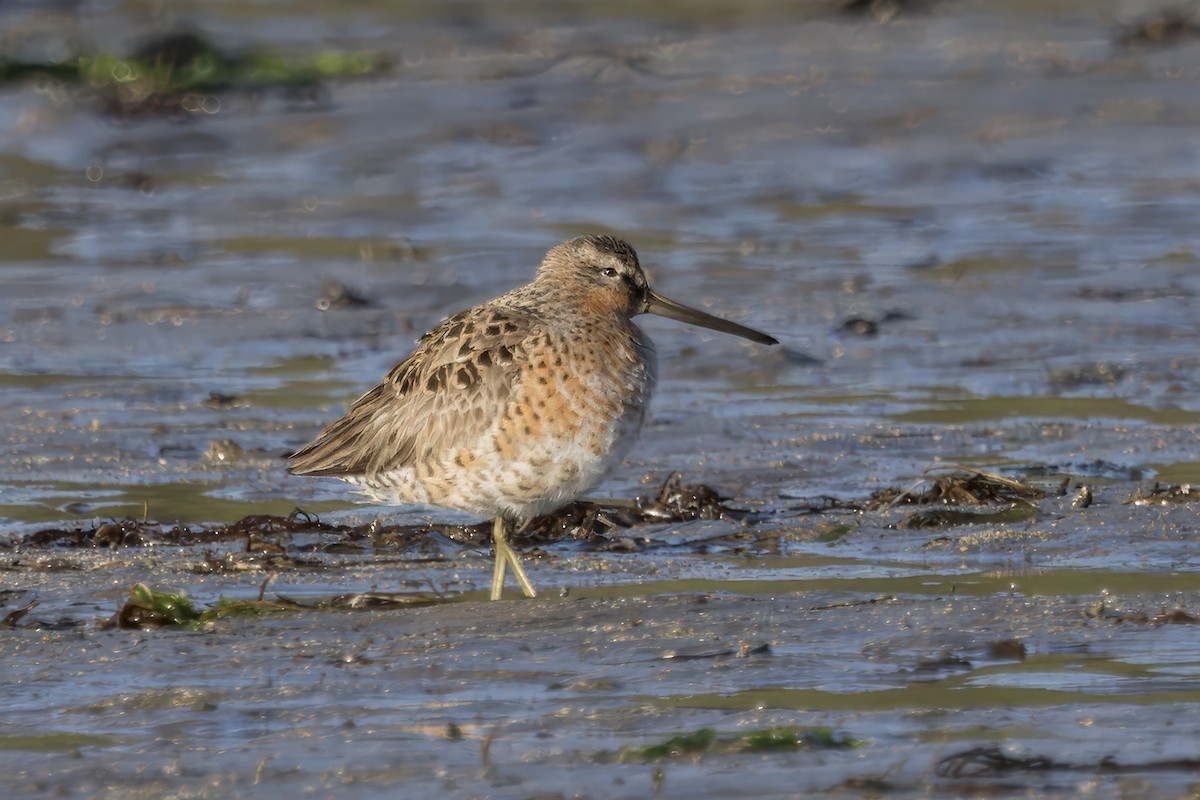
577 407
582 390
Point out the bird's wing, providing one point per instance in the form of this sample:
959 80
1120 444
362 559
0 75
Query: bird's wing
447 393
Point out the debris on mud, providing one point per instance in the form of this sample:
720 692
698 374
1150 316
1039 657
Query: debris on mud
943 662
679 502
961 486
1007 650
268 539
130 532
744 650
859 326
148 608
154 608
599 522
222 401
1083 498
990 760
1164 27
13 617
115 533
1102 611
335 294
867 327
1161 495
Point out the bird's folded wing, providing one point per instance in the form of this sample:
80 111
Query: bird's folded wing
447 394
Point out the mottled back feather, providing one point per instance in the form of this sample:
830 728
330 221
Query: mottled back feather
449 391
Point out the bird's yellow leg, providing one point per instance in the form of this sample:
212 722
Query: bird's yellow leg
506 556
519 572
500 542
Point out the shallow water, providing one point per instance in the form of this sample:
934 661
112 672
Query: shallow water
1006 192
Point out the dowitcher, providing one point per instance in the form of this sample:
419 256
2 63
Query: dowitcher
518 406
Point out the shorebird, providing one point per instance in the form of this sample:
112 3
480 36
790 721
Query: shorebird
515 407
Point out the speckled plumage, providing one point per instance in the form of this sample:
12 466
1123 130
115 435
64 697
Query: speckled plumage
517 406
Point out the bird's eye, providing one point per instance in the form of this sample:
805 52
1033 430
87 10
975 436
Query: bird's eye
609 272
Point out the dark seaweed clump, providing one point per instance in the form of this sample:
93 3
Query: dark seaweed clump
268 535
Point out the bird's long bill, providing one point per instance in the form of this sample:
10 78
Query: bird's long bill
657 304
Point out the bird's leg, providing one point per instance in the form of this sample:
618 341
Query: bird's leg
506 556
501 544
519 572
